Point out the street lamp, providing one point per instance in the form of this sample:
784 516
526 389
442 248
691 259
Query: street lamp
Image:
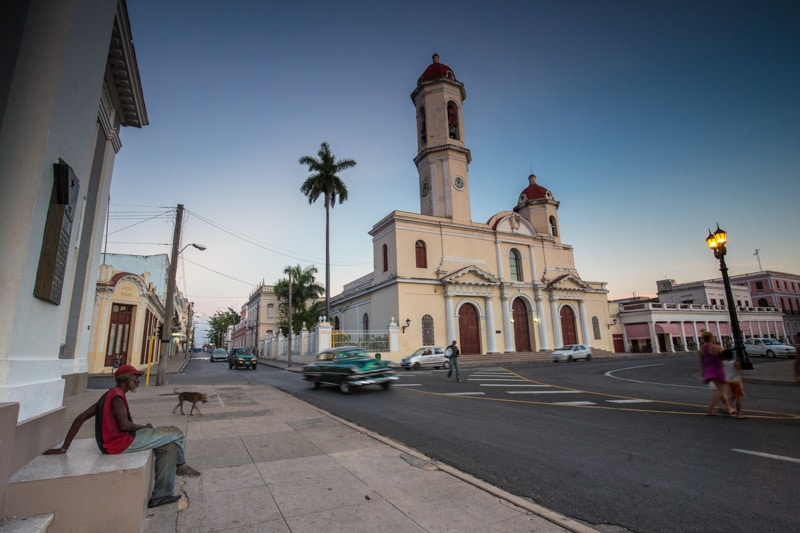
716 241
169 305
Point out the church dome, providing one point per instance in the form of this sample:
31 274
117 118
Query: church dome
534 191
437 70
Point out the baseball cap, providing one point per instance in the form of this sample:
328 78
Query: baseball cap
127 369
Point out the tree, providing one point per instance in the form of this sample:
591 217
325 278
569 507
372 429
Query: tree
305 298
324 181
219 322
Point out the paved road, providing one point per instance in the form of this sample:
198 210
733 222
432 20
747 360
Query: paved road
621 443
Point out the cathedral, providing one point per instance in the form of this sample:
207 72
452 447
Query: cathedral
506 285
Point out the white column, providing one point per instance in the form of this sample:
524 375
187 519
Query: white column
683 336
584 323
558 340
544 344
508 325
653 337
449 318
491 339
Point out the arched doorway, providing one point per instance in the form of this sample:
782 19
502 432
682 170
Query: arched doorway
522 335
118 331
469 329
569 333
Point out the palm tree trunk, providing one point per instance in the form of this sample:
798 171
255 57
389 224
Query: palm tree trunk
327 260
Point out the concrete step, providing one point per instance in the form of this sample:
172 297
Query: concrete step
28 524
84 490
517 357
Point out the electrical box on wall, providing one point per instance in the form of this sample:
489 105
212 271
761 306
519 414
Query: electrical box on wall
57 234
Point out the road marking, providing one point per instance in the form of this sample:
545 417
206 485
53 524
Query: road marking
513 385
610 374
632 400
544 392
408 384
768 455
575 403
464 393
496 379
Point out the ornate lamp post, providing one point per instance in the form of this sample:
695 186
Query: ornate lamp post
716 241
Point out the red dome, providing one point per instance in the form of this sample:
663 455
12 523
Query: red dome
437 70
535 191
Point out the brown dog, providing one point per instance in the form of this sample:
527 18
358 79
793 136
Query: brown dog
193 397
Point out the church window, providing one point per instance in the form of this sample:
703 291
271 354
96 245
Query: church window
596 328
515 264
452 121
423 135
553 227
385 250
427 331
421 253
365 323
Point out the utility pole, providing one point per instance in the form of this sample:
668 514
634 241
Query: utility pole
289 344
169 305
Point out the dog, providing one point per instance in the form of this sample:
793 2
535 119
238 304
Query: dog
194 397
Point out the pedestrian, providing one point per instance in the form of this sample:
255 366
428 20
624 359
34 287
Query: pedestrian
452 353
713 373
733 377
115 433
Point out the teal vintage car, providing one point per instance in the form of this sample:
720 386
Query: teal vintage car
347 367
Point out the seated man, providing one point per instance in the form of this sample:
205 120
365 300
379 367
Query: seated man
116 433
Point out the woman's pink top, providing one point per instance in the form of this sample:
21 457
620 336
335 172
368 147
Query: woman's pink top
712 365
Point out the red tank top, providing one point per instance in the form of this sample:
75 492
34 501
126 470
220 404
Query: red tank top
109 438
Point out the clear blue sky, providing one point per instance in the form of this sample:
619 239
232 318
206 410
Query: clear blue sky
648 121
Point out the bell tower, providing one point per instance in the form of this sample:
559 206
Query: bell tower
442 158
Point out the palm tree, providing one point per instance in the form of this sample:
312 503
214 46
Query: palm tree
305 292
324 181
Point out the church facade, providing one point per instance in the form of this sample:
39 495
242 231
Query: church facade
506 285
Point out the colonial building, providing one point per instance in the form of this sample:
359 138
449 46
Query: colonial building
127 316
776 289
509 284
262 313
69 83
675 319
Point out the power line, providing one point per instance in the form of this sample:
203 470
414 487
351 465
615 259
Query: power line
269 247
216 272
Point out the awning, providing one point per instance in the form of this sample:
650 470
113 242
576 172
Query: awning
673 329
637 331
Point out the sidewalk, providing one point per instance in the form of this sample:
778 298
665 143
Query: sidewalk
273 463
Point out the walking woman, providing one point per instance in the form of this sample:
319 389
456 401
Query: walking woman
713 372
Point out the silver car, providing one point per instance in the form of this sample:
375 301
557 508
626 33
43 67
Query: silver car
426 357
767 347
219 354
572 352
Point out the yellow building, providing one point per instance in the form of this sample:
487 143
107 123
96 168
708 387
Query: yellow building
507 285
127 316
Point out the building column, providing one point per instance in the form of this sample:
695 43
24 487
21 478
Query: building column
449 311
508 324
558 340
683 336
584 323
653 337
544 344
491 340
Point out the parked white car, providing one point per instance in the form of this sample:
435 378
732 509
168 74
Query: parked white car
572 352
766 347
426 357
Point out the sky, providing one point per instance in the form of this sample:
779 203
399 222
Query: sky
650 123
